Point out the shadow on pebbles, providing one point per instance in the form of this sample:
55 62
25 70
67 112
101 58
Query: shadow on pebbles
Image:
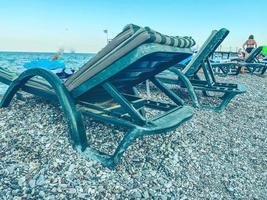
213 156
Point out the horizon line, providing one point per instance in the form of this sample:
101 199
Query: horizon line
17 51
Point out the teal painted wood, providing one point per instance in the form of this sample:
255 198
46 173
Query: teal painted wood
77 132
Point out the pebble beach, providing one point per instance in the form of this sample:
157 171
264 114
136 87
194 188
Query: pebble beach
212 156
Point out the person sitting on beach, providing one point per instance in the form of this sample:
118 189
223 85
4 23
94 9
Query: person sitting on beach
58 55
62 73
249 45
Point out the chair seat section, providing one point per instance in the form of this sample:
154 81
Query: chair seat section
120 48
169 77
139 65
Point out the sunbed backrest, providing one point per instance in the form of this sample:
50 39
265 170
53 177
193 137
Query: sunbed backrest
210 45
129 39
127 32
253 54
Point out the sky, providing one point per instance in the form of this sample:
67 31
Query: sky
47 25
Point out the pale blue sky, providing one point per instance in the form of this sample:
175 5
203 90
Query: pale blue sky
47 25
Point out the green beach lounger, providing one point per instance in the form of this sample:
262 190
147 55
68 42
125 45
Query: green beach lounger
187 76
104 89
251 63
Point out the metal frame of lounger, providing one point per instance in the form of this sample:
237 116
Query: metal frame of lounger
140 64
188 77
251 63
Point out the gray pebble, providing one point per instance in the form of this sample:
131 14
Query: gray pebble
40 180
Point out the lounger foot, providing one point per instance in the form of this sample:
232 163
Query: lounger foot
186 82
226 98
111 161
105 159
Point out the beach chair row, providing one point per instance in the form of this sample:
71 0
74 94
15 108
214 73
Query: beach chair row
251 63
105 88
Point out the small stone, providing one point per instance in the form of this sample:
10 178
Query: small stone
21 181
72 191
101 188
15 192
63 185
40 180
82 195
153 173
11 169
41 193
168 185
40 126
71 167
163 197
146 195
230 189
32 183
17 198
137 194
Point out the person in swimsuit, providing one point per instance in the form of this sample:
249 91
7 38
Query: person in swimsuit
250 44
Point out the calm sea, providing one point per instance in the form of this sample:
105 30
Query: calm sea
15 61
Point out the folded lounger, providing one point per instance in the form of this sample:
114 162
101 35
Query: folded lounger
187 76
251 63
104 89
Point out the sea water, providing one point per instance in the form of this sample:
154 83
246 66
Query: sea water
16 60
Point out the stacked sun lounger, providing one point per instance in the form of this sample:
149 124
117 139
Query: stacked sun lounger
104 89
135 55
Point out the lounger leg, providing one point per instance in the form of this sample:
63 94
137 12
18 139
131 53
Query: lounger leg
189 86
167 91
127 140
205 93
263 70
141 110
251 71
238 70
226 98
224 71
111 161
